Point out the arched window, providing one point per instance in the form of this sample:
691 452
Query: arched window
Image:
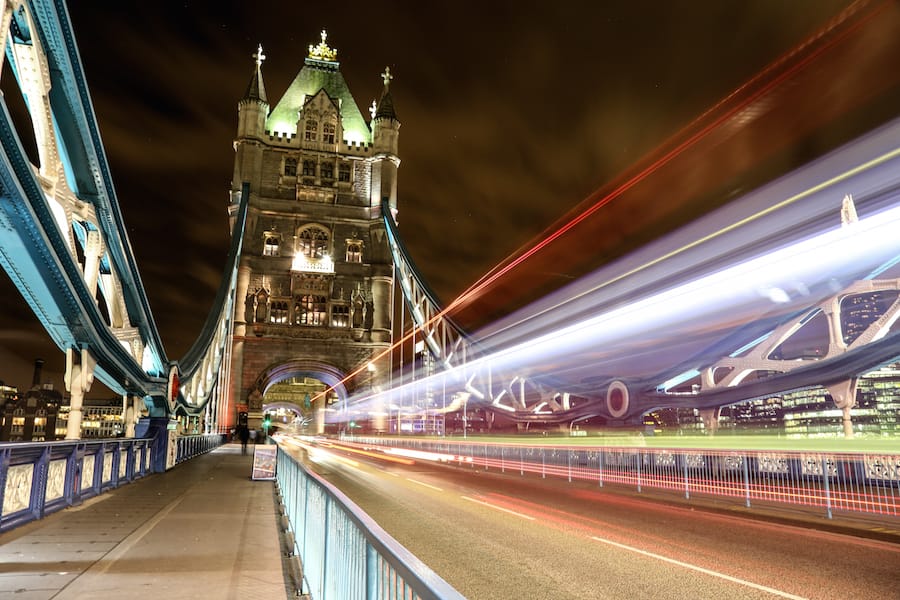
354 252
309 168
270 247
313 242
310 309
290 167
328 133
327 170
312 128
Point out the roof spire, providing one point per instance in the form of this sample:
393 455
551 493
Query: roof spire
385 106
256 90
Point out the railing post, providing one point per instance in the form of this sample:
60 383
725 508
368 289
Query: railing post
746 463
827 486
687 483
640 460
600 468
325 548
371 572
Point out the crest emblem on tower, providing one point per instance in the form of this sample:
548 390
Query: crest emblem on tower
322 51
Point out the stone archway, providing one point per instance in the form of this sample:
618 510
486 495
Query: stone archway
327 374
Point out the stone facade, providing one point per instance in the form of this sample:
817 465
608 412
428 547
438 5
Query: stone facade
315 279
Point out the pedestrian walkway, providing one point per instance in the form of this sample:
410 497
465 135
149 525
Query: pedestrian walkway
203 529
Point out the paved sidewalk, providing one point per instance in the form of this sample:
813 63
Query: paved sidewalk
201 530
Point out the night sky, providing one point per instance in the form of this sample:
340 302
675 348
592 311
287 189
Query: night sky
512 113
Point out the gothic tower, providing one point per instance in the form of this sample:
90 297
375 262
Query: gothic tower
315 281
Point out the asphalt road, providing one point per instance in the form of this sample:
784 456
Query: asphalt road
505 536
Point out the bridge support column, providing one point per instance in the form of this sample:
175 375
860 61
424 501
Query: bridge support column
843 394
710 418
79 377
131 413
319 408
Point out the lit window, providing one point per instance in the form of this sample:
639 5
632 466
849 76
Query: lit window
270 247
344 172
328 133
313 242
340 315
354 252
312 127
290 167
327 170
310 310
279 312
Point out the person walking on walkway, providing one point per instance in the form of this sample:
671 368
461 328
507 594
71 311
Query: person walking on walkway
244 434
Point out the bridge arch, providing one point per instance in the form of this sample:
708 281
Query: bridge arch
324 372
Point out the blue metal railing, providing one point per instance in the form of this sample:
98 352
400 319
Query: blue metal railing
190 446
344 553
37 479
849 482
40 478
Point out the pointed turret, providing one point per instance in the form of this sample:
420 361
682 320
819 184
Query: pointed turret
254 107
257 90
385 136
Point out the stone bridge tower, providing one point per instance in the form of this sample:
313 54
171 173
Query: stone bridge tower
315 281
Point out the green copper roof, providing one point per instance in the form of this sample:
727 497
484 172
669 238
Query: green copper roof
314 76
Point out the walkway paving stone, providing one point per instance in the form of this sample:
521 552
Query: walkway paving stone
203 530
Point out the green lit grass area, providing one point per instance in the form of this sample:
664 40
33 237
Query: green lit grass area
875 445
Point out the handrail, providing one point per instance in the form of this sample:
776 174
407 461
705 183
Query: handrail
852 482
346 555
40 478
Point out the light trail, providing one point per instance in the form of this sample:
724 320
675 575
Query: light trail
546 238
729 295
680 145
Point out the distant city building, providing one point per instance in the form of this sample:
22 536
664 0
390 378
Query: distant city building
805 413
32 416
100 419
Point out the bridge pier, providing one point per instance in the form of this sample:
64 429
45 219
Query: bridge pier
710 417
131 413
843 394
79 377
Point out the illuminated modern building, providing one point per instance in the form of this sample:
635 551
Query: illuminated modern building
805 413
314 295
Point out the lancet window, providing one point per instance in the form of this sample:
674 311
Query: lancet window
310 309
312 130
313 242
328 130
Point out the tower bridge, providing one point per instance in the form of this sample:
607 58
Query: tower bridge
323 313
317 275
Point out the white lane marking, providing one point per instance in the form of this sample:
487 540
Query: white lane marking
428 485
700 569
495 507
391 474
